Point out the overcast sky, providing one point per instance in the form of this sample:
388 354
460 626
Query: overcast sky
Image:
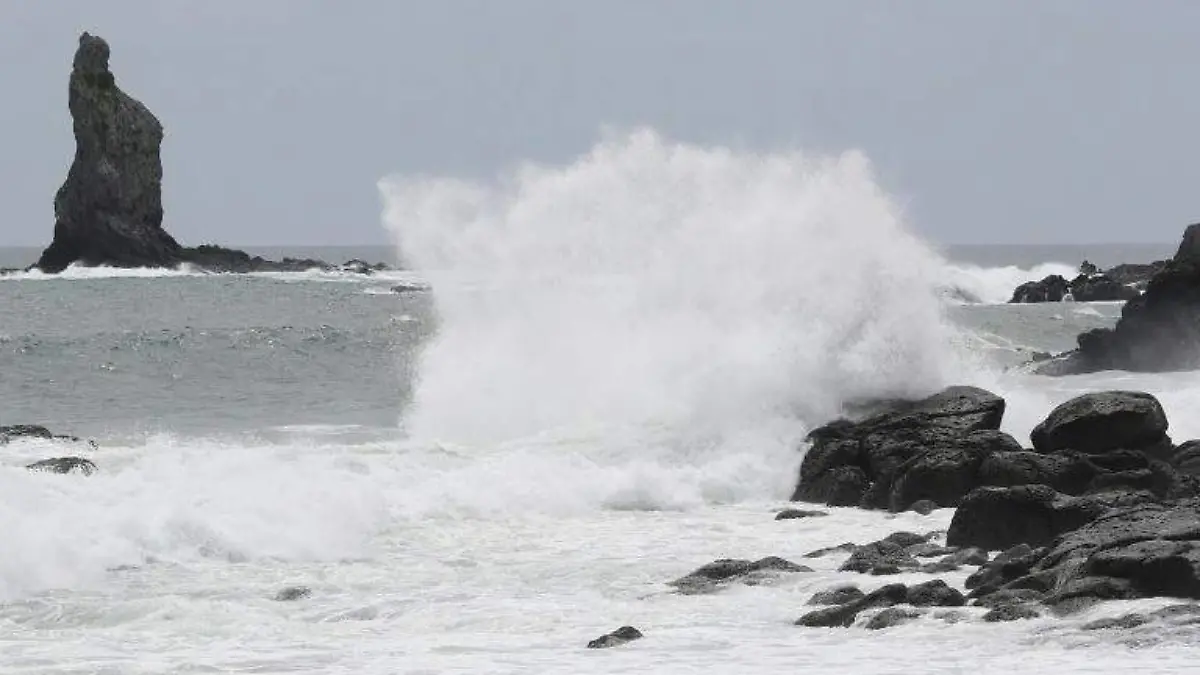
1047 121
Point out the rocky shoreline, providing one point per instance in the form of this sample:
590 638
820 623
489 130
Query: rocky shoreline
1101 504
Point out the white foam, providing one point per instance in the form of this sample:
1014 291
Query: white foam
995 285
663 284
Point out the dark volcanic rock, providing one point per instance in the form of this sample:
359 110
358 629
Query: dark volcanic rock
64 465
618 637
892 616
292 593
794 514
844 615
847 547
1011 613
109 211
879 557
1049 289
708 578
858 463
1101 422
1100 288
17 431
1139 550
934 593
839 595
996 518
1158 330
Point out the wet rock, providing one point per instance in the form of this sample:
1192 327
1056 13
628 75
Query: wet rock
892 616
1140 550
293 593
1013 564
1050 289
1158 331
923 506
934 593
840 486
357 266
1069 473
880 557
1124 622
618 637
857 463
793 514
1101 422
907 539
1008 597
1011 613
64 465
1186 458
844 615
971 555
839 595
945 474
708 578
929 550
1100 288
15 432
410 287
847 547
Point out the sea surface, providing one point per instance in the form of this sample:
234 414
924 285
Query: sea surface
608 387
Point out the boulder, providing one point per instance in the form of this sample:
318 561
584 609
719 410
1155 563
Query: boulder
892 616
860 463
618 637
1100 288
1049 289
64 465
293 593
1139 550
1101 422
995 518
839 595
796 514
710 577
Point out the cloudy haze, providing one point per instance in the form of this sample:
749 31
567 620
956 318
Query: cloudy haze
1016 121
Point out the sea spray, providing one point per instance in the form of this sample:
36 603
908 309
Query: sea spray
701 293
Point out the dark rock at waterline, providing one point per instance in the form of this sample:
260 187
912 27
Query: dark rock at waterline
1100 288
710 577
996 518
845 614
838 595
1158 330
847 547
1135 275
618 637
934 593
1083 288
795 514
410 287
64 465
1014 612
1100 422
1049 289
213 258
1150 549
859 463
892 616
109 211
880 557
292 593
923 506
18 431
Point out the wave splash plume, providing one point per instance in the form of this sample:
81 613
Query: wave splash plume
696 292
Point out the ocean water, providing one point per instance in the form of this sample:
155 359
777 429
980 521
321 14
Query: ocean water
607 388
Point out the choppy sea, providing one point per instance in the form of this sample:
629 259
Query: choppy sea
607 387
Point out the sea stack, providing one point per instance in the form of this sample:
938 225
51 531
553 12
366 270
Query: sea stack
109 211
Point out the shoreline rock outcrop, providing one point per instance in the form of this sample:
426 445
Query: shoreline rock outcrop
1158 331
1103 506
109 210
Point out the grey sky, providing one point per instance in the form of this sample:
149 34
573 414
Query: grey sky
1005 121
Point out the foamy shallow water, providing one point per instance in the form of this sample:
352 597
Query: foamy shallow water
421 562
